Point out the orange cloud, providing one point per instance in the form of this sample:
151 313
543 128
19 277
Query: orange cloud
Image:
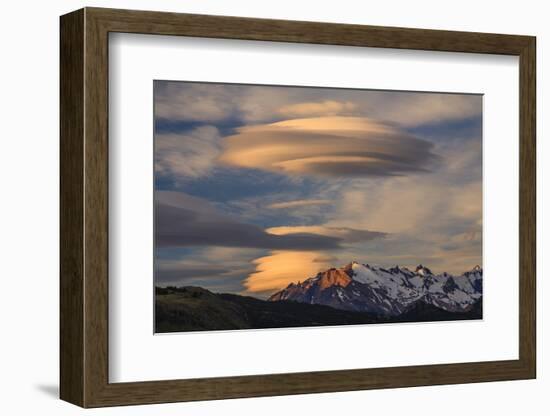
280 268
350 235
328 146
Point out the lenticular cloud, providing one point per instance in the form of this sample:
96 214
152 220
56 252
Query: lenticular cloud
328 146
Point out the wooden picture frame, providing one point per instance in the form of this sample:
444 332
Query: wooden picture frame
84 207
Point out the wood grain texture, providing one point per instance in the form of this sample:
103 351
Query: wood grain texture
71 100
527 208
224 27
84 207
96 218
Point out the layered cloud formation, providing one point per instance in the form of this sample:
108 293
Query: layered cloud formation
182 220
328 146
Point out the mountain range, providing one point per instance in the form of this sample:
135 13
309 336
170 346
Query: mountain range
386 292
353 294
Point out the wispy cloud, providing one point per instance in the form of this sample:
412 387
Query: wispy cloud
320 108
187 155
209 103
221 269
434 219
299 203
188 101
415 109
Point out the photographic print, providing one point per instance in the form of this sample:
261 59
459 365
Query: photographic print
286 206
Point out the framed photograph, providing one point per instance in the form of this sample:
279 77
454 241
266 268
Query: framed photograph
255 207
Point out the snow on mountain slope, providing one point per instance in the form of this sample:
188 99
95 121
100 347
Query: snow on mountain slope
390 292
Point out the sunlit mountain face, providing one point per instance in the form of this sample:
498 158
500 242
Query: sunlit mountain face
265 192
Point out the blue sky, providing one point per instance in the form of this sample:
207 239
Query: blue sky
259 186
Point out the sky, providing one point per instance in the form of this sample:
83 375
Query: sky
260 186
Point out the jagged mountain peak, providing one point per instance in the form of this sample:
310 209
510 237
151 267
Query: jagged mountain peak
395 269
367 288
423 270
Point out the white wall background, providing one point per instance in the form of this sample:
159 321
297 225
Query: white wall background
29 209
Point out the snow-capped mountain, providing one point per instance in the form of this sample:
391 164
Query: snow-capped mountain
388 292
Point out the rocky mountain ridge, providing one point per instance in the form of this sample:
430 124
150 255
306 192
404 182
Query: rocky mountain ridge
386 292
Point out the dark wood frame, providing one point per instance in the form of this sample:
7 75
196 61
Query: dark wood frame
84 208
